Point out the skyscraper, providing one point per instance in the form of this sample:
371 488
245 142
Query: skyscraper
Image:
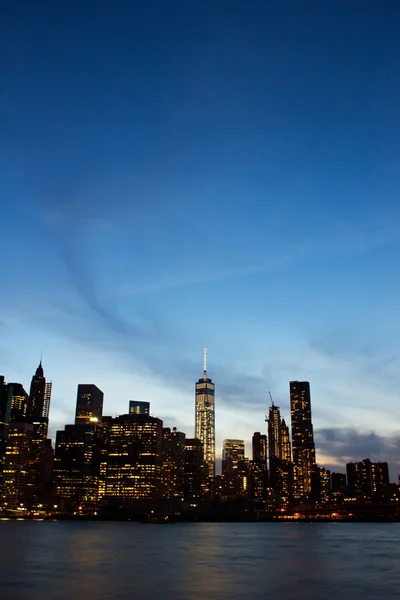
173 463
134 458
196 470
16 467
274 445
36 393
89 404
47 398
5 414
303 447
260 448
205 417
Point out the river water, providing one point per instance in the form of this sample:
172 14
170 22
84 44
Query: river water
188 561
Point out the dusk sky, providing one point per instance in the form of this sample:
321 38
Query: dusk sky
175 174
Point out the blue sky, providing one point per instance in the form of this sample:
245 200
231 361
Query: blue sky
187 173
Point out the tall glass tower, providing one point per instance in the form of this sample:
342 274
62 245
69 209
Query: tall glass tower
205 417
303 448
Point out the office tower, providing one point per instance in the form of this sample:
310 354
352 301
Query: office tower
77 466
134 458
16 465
232 455
379 480
47 398
303 448
274 446
285 442
321 486
338 486
19 402
36 394
367 480
196 470
235 469
5 414
280 468
286 467
173 463
205 417
139 408
89 404
258 472
259 445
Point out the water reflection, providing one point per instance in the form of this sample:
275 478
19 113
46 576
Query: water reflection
121 561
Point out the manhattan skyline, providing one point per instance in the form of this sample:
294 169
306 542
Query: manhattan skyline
179 176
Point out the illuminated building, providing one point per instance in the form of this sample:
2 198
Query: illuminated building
303 448
321 485
367 480
5 414
196 470
16 465
173 463
136 407
279 457
232 455
259 445
19 402
134 458
379 479
274 446
46 401
258 471
205 417
235 469
77 466
338 486
38 416
89 403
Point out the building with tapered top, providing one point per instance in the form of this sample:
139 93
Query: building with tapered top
205 417
303 447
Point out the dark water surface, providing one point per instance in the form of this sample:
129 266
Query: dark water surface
121 561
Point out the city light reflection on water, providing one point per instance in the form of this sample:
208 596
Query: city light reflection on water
121 561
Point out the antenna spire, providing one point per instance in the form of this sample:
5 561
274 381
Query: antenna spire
205 362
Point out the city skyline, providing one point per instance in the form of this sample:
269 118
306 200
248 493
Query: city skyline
268 430
229 181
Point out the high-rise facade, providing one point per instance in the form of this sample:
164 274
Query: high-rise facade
196 470
303 447
19 401
89 404
37 393
16 465
235 468
232 455
76 466
173 463
274 445
259 445
137 407
134 458
47 398
5 414
367 480
258 471
280 468
205 417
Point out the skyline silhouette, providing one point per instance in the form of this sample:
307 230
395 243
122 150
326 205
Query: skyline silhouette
184 174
